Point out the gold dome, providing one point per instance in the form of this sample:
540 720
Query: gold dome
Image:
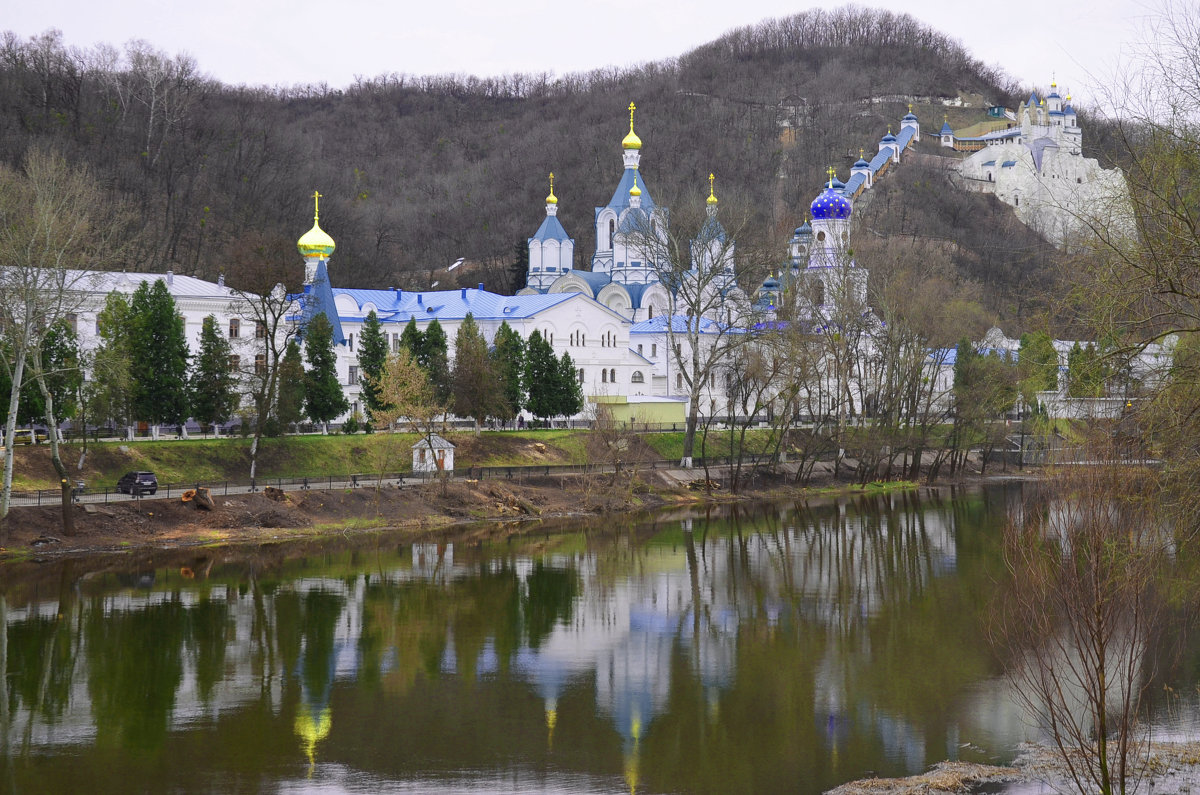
631 141
551 199
314 242
712 197
635 190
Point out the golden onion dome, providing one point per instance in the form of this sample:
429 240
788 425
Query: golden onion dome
712 197
551 199
635 190
314 242
631 141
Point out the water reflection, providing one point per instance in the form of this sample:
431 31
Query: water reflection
782 648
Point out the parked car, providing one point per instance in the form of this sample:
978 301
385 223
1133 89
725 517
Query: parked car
137 483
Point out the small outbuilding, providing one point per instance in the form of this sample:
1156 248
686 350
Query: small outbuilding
433 454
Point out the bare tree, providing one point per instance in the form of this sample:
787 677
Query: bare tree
1079 617
53 221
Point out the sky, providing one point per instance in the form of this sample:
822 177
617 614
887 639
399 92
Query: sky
277 43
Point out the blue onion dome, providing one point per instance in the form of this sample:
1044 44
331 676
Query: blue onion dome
831 204
861 163
889 138
910 116
804 229
771 283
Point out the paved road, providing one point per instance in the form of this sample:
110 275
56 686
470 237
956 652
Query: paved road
217 491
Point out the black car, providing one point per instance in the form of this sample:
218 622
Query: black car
137 483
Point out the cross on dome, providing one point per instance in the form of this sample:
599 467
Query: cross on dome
551 199
316 206
712 197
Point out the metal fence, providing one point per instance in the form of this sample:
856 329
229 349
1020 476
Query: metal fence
83 494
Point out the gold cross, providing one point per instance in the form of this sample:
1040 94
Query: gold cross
910 107
830 173
632 108
551 183
710 184
316 206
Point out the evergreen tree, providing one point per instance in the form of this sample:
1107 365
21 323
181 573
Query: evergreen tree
1037 362
372 353
437 361
541 370
290 406
414 341
213 383
519 273
159 355
568 390
109 393
477 393
508 358
323 396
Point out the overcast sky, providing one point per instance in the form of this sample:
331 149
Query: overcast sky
273 42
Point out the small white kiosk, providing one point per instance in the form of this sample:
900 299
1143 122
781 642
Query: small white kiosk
433 454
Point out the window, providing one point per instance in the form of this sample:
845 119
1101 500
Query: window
235 327
260 364
639 349
353 379
395 343
612 376
73 322
603 376
260 330
654 350
350 341
612 228
581 375
679 380
650 310
679 350
637 377
235 362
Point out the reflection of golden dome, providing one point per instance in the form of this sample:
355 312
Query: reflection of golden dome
314 242
551 199
631 141
311 731
551 720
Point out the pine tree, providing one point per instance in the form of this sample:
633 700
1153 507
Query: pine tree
213 383
414 341
541 370
372 353
323 396
159 353
109 394
437 361
519 272
508 358
290 406
477 392
568 391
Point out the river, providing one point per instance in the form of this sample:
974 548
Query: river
769 648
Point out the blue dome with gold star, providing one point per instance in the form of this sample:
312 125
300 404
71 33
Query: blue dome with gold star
830 204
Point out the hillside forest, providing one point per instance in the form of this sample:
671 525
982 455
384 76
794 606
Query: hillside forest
418 171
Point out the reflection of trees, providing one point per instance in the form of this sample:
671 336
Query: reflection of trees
549 599
135 665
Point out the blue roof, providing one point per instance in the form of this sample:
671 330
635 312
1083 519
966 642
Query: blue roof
880 159
860 163
595 280
318 299
855 183
636 291
1038 148
711 230
905 136
620 197
830 204
551 229
679 325
1033 100
910 116
990 163
995 135
1008 164
398 306
946 129
888 139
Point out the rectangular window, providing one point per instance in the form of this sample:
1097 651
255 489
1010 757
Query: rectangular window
353 375
654 350
235 327
350 341
395 343
73 322
639 349
235 362
260 364
260 330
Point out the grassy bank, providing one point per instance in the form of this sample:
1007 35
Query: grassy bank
183 461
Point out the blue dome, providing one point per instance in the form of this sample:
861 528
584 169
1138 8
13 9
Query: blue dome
804 229
888 139
909 116
830 204
771 283
862 163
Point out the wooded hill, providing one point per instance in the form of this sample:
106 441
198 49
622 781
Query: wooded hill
418 171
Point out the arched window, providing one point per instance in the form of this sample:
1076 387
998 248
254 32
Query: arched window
637 377
612 376
603 376
679 380
612 230
650 310
581 375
